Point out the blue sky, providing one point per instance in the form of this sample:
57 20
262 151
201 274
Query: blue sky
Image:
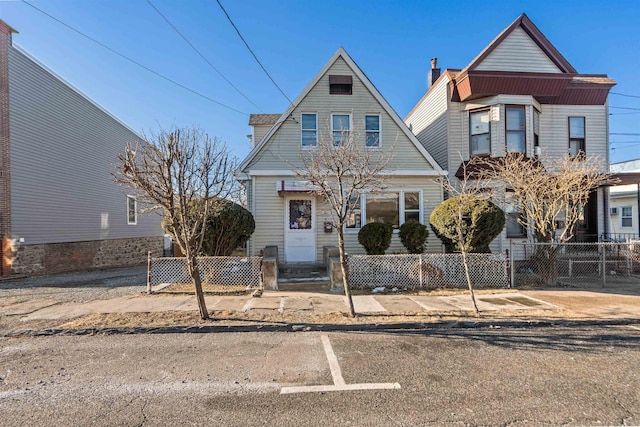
392 41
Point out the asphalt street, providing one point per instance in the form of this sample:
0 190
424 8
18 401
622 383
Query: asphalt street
551 376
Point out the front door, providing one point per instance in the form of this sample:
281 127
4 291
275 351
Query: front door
300 229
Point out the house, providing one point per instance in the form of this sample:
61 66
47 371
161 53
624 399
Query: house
287 215
520 94
59 207
624 211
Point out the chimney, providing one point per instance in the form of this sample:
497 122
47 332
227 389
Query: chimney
434 73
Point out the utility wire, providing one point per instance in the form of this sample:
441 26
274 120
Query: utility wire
252 53
624 94
133 61
201 55
625 134
625 108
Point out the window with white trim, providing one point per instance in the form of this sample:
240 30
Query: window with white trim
513 209
372 130
626 216
309 126
340 128
516 128
480 132
354 215
389 207
576 136
132 211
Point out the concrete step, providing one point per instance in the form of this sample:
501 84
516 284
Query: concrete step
308 286
312 269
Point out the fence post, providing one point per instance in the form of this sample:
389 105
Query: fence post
508 266
149 291
604 264
420 271
512 275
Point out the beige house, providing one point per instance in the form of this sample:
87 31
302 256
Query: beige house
519 94
287 215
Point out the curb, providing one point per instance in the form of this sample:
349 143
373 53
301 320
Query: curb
328 327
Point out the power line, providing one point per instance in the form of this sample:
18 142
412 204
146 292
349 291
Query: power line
625 108
619 114
624 94
254 55
622 148
133 61
624 134
622 142
201 55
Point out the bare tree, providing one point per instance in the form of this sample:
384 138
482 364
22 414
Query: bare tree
342 168
549 190
185 174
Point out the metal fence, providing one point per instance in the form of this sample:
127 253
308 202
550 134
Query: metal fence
427 271
223 273
575 264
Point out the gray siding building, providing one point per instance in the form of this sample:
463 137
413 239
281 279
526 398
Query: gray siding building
59 207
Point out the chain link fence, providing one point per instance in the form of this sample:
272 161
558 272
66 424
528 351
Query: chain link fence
575 264
216 273
427 271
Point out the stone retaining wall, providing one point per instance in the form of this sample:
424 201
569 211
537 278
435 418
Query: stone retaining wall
73 256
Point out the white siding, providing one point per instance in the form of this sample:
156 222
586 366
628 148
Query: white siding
259 132
554 129
270 211
428 122
284 148
518 52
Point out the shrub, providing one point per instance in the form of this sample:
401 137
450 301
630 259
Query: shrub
375 237
413 236
483 222
229 226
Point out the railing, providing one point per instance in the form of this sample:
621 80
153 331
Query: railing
605 237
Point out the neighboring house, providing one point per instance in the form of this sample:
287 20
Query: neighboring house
519 95
286 214
624 210
59 207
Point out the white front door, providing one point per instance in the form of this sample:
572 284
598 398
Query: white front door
300 229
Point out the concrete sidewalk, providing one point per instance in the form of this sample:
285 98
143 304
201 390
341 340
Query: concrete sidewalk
544 303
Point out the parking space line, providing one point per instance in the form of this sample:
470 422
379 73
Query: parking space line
634 327
338 381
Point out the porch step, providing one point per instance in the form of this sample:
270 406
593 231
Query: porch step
302 270
310 277
323 285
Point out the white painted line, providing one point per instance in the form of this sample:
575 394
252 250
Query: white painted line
426 307
346 387
634 327
281 309
247 306
336 373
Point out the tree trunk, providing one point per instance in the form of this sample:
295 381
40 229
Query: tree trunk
194 270
466 273
345 272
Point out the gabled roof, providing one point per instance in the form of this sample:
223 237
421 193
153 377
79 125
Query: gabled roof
536 35
341 53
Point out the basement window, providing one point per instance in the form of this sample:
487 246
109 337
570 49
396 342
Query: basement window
340 85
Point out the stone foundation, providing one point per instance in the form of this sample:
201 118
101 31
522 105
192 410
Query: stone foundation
74 256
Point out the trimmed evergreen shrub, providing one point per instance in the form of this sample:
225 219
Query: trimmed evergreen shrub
229 226
375 237
413 236
484 220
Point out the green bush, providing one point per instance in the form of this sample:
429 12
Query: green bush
375 237
229 226
413 236
483 221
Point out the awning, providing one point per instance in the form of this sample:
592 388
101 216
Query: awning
294 186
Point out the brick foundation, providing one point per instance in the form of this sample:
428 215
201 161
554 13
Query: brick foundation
74 256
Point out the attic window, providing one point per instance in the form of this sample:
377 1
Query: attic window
340 85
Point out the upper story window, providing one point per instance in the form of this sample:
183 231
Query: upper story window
372 129
627 216
340 85
340 127
480 132
132 215
576 136
536 131
309 124
516 128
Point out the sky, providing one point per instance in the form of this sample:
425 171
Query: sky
391 41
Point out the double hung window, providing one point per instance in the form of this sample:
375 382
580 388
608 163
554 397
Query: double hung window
516 128
627 216
576 136
372 130
132 215
309 125
513 209
340 127
480 133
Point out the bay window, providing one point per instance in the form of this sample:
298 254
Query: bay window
480 132
515 118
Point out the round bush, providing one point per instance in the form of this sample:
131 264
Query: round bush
482 222
229 226
413 236
375 237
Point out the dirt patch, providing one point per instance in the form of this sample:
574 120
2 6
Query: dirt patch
207 288
524 301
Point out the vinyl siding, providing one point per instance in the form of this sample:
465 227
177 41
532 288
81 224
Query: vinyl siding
283 150
518 52
429 122
63 147
269 217
554 129
259 132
